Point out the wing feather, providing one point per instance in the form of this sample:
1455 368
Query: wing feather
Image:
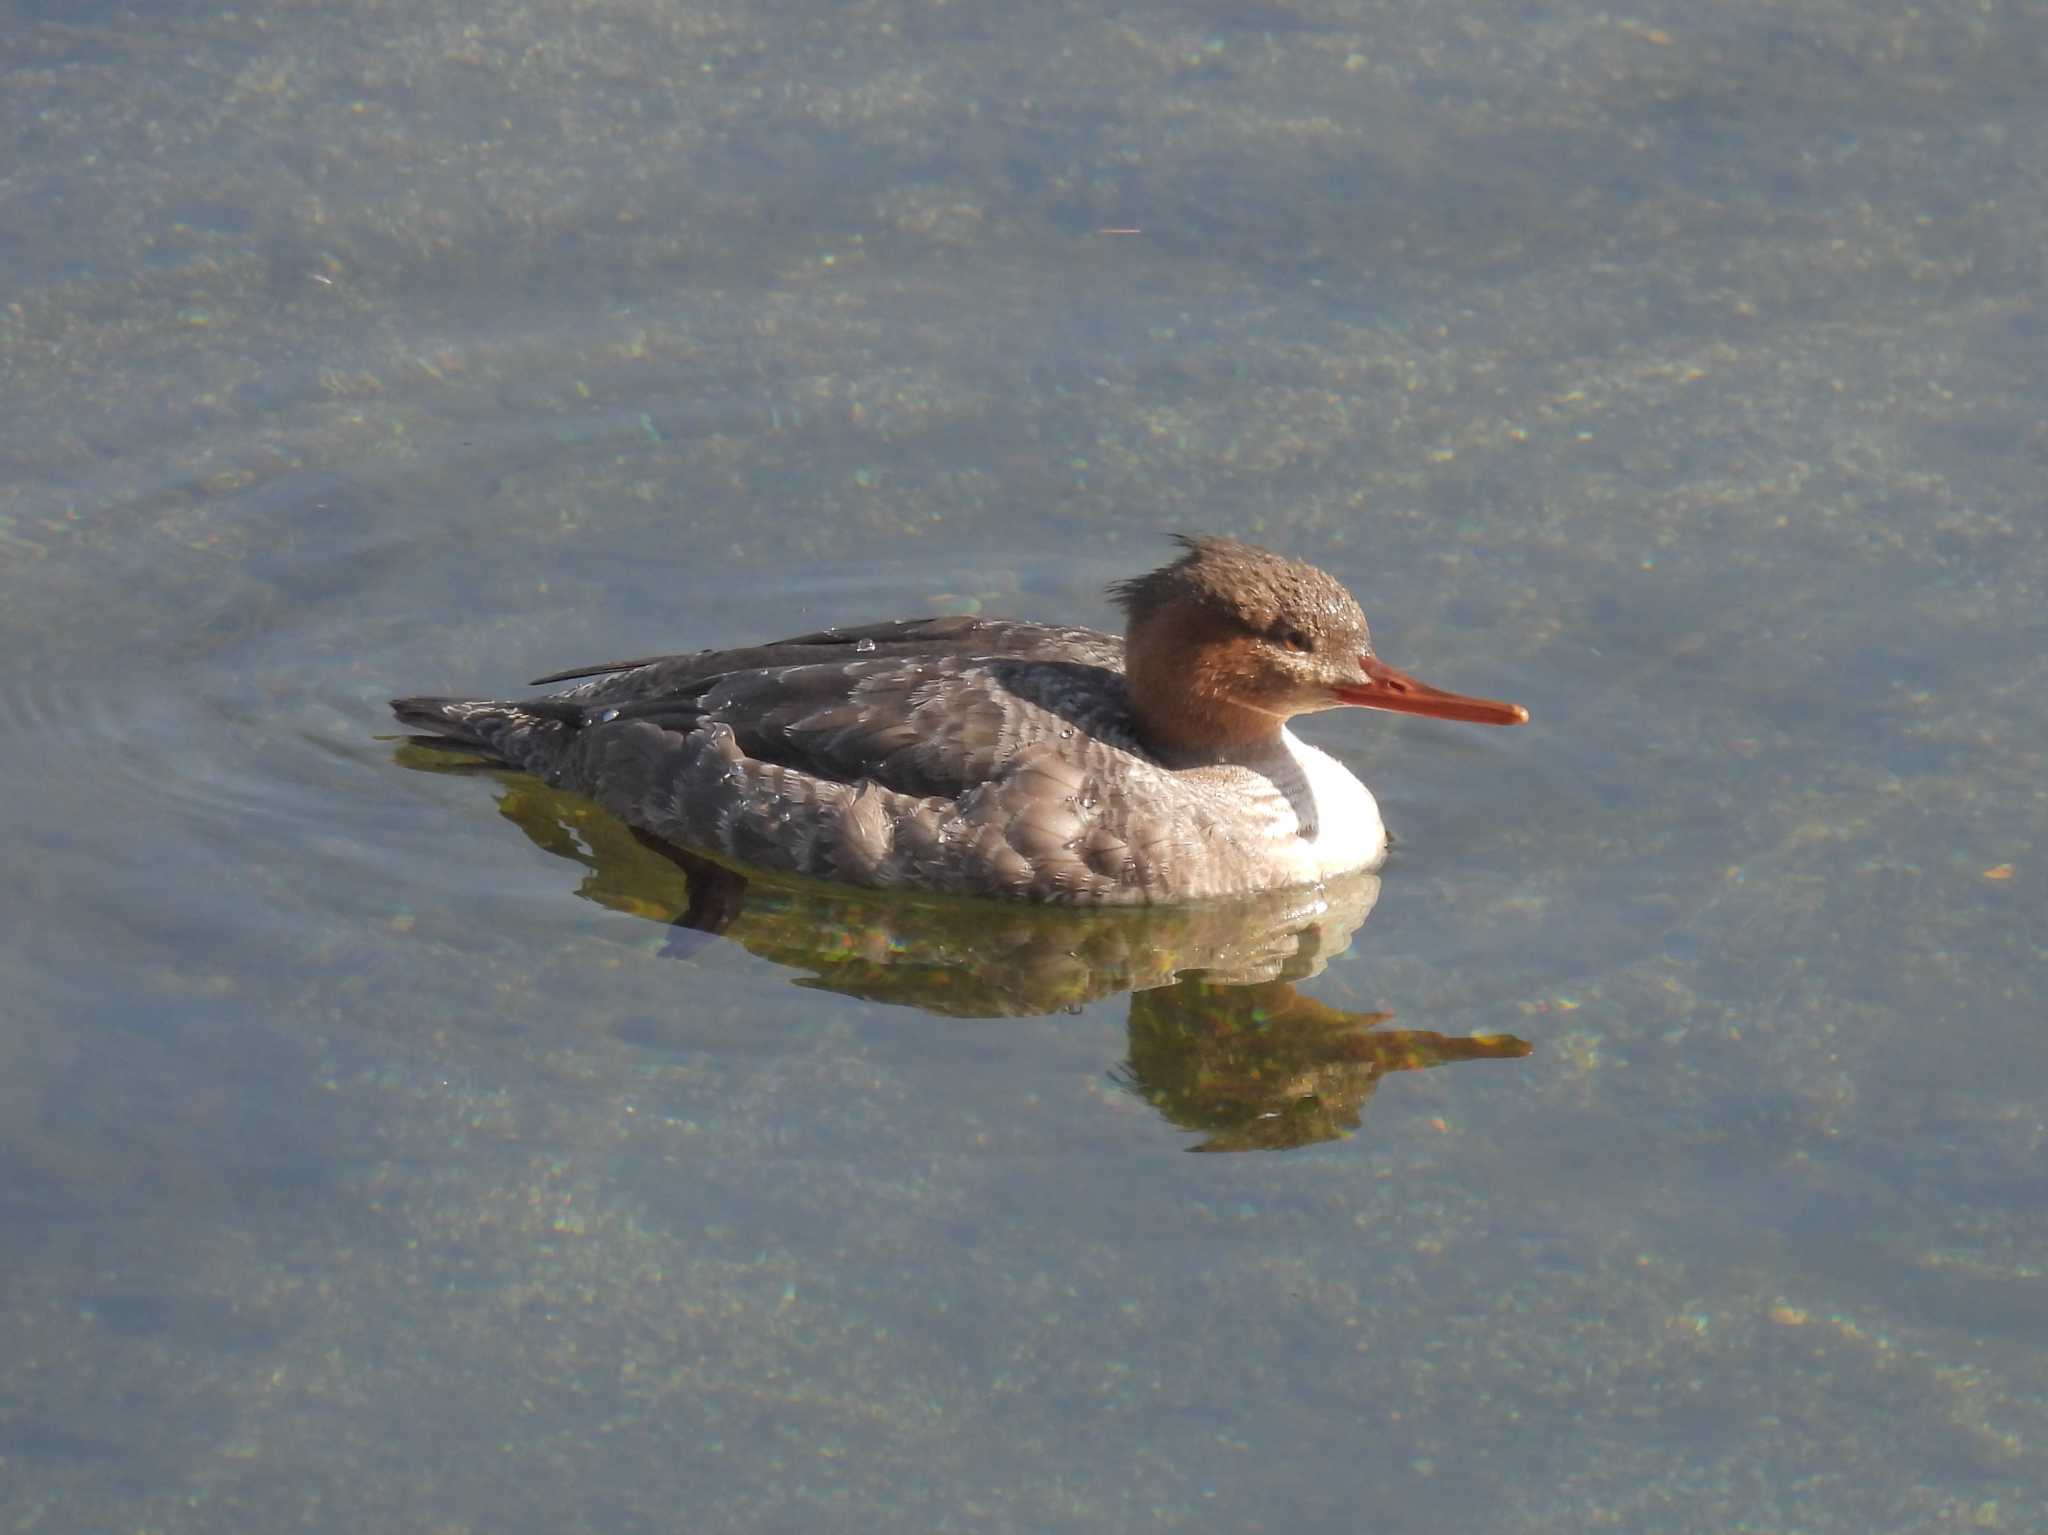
926 707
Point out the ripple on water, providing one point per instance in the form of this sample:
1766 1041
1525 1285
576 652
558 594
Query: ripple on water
195 752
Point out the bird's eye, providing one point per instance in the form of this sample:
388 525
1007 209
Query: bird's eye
1295 640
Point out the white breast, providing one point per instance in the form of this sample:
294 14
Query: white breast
1343 830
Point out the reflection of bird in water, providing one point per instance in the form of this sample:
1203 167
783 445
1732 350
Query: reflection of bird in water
990 757
1220 1040
1263 1067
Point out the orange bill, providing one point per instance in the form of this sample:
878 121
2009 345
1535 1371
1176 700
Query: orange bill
1386 688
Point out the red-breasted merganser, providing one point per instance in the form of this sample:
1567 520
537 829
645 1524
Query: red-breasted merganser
992 757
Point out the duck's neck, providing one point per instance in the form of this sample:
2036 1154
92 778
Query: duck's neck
1183 670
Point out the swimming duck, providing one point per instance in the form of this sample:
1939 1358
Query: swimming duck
995 757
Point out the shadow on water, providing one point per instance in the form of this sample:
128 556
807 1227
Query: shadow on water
1220 1041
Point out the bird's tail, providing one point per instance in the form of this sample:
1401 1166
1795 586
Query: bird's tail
471 722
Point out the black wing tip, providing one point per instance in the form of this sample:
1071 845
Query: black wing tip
602 669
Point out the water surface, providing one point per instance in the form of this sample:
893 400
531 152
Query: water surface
370 1161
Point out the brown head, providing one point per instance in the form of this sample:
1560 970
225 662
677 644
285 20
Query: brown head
1226 644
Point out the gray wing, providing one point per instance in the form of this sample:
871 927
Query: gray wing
928 708
918 637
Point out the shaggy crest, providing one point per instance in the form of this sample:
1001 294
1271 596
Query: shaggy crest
1254 587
